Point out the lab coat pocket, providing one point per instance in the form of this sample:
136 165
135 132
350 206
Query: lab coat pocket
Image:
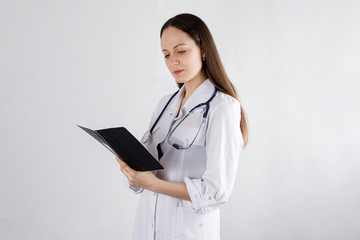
190 131
192 225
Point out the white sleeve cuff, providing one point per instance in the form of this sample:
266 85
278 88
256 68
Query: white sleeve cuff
201 200
134 189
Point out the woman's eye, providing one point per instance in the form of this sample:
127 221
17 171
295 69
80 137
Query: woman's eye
166 56
181 52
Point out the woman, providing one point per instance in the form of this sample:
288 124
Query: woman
197 134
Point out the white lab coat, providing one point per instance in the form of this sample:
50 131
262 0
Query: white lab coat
208 167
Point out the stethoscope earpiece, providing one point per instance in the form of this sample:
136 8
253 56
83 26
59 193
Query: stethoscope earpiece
176 146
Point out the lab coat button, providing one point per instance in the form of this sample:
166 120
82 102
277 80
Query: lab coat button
152 225
200 225
171 114
187 140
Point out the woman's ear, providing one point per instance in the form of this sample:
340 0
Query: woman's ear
203 55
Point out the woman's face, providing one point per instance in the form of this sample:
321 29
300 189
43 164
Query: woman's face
183 57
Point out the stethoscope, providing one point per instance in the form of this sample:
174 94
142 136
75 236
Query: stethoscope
147 135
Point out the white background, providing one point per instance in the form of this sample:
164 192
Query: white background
295 65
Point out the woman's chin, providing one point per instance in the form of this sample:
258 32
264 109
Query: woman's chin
180 79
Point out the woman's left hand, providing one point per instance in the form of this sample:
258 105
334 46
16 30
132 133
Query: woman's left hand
136 178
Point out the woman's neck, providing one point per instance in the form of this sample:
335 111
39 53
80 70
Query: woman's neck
192 85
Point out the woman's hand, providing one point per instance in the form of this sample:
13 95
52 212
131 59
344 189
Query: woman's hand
149 181
136 178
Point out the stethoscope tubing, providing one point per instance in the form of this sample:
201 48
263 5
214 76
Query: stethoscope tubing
162 112
207 103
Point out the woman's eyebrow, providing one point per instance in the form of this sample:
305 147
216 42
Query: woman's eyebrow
175 46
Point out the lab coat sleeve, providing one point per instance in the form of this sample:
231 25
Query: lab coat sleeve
223 146
154 115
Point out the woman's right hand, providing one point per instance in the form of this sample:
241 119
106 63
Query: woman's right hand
137 178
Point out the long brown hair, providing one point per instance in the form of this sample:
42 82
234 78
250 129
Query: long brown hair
212 65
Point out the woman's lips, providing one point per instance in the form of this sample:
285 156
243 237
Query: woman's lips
177 72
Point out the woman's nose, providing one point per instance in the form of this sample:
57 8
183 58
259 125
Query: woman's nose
175 61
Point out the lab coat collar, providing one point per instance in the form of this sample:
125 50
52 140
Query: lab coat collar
201 94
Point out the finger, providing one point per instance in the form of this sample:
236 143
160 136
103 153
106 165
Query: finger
121 162
129 170
119 159
123 170
127 175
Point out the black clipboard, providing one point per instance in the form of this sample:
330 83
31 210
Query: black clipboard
124 145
